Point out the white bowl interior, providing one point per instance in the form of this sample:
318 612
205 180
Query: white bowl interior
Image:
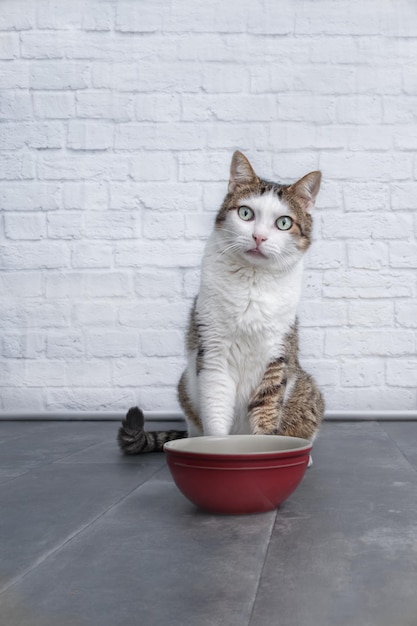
238 444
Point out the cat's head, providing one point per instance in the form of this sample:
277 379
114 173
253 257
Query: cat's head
264 223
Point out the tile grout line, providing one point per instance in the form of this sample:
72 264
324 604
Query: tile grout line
403 454
263 567
72 536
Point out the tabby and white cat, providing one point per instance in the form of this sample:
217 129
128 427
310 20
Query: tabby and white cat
243 374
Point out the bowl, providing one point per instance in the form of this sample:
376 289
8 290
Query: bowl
238 474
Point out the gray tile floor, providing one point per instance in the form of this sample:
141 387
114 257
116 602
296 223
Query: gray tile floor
89 537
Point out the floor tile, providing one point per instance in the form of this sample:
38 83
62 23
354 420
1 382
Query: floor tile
153 560
404 435
344 547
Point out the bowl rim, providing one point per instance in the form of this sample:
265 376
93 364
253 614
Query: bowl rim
176 447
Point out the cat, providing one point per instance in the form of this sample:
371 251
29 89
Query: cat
243 374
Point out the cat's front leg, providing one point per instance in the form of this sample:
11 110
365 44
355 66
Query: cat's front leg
266 403
217 393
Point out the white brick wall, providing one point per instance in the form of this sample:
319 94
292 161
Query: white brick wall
118 121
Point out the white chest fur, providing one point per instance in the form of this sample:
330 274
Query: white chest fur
244 314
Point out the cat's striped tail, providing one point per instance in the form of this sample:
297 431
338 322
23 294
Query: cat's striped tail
133 439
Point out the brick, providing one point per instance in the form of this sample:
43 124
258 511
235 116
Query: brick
152 370
162 343
90 135
82 166
17 15
156 253
372 398
33 255
29 226
98 17
130 18
191 283
60 75
358 342
322 313
94 314
403 255
17 284
113 344
367 226
402 372
229 108
87 399
17 166
198 225
326 255
155 313
85 195
163 225
210 166
366 196
64 225
105 105
371 313
89 373
325 372
146 76
372 256
30 195
27 345
110 225
52 14
364 372
14 400
89 254
88 285
34 373
65 346
294 107
359 109
9 46
169 136
157 107
37 135
16 105
363 21
364 166
405 313
403 195
14 74
164 283
166 197
49 45
157 166
54 104
405 137
366 284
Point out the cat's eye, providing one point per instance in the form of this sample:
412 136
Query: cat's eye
284 223
245 213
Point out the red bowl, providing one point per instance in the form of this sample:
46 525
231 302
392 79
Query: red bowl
239 473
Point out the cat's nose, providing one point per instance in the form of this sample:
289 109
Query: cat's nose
259 239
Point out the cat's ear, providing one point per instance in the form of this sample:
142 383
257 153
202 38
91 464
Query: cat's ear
241 172
306 190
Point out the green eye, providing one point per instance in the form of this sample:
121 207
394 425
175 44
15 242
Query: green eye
284 223
245 213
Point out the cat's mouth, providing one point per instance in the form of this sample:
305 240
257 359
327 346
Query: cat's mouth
256 252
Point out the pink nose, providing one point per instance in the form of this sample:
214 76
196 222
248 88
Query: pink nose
259 239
